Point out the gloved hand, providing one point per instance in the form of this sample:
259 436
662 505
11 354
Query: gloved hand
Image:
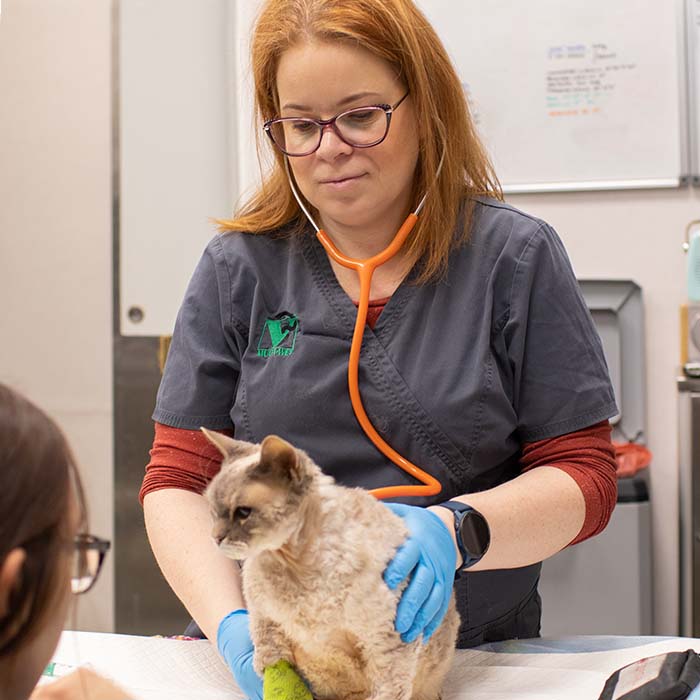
429 554
236 646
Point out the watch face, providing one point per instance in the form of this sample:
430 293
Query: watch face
475 534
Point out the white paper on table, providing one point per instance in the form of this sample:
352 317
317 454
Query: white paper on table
152 668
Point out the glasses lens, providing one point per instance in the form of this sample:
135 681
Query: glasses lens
296 136
85 564
88 554
364 126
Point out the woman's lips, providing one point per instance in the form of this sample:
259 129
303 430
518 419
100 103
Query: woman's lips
342 182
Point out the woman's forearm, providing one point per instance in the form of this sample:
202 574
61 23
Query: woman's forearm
530 518
179 530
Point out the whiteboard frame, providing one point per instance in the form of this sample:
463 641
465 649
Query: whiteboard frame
691 48
686 104
594 185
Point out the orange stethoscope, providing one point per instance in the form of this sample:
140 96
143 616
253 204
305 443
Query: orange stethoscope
429 485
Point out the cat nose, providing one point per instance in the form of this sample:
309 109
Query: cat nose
219 539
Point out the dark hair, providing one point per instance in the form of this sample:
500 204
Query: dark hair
37 475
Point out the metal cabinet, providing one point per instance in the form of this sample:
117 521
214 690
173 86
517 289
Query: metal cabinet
604 585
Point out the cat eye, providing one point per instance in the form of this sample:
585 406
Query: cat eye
241 513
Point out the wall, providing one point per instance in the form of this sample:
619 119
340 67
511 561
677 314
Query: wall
56 236
638 235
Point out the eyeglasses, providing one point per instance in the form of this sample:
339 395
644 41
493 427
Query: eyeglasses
361 127
89 553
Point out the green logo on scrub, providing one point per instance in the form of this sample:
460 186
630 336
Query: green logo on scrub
278 335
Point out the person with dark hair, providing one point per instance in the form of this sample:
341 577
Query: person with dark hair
45 553
478 361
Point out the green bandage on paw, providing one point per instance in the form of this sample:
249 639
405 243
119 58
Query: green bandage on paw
281 682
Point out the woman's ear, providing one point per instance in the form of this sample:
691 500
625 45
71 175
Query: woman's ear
10 577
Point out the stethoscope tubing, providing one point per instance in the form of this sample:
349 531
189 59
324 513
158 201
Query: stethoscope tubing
429 485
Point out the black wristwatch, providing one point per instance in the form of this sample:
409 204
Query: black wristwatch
472 532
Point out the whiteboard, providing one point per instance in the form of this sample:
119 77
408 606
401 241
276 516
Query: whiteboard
573 94
566 94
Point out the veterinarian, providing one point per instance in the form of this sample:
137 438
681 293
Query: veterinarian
479 363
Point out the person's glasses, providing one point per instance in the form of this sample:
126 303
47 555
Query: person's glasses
89 553
360 127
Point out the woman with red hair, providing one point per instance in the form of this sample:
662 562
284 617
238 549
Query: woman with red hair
480 361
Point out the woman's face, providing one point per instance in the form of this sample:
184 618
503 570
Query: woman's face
350 187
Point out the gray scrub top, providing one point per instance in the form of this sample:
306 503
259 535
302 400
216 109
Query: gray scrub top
456 374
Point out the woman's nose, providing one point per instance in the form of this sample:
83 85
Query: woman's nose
331 143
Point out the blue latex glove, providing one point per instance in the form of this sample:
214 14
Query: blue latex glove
429 555
236 646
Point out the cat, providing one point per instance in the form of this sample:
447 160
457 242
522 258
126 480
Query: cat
313 557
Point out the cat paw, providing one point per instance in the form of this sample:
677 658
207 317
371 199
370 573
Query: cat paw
262 660
282 681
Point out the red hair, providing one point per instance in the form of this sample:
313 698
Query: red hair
397 32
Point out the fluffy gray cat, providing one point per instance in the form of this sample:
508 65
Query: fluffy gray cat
314 553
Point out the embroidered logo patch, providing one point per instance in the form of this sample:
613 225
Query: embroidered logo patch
278 335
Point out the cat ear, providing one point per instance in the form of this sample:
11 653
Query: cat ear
227 445
279 457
